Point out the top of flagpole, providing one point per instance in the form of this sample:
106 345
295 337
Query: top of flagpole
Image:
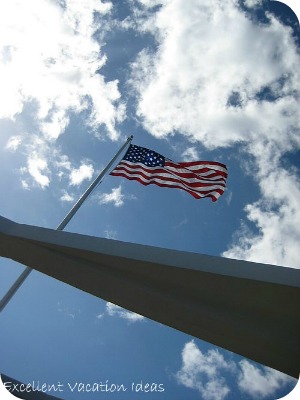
98 179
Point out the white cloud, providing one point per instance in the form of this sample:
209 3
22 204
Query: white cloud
110 234
62 165
71 312
50 69
260 383
66 197
150 3
116 311
278 240
253 3
213 376
116 197
13 143
190 154
209 51
220 78
203 372
49 56
36 167
58 122
49 164
77 176
25 184
277 215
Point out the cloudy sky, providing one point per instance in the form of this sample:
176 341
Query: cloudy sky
193 80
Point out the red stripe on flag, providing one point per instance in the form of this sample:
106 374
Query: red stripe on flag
196 178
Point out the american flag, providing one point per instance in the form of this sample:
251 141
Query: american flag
199 178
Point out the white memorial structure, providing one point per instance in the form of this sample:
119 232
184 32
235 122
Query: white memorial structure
248 308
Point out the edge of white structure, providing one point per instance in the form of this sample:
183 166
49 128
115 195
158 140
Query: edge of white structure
174 258
249 308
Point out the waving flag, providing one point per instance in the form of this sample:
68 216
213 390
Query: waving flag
199 178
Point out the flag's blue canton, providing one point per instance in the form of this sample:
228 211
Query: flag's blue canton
137 154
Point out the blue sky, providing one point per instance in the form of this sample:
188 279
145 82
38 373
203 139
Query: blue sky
192 80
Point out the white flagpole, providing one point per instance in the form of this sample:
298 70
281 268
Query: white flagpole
85 195
10 293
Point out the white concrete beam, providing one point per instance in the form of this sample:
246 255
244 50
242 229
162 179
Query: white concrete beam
251 309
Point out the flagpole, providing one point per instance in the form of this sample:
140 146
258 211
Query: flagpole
10 293
85 195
